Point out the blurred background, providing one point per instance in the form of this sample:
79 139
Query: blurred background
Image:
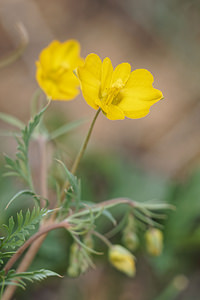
156 157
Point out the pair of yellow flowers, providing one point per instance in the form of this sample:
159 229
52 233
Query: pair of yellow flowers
118 92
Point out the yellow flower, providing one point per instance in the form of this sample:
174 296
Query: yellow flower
119 93
154 241
55 70
122 260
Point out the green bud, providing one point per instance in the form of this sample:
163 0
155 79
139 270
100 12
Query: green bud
73 269
129 236
154 241
130 240
88 241
131 223
78 263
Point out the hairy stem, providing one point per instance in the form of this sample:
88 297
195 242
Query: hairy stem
43 164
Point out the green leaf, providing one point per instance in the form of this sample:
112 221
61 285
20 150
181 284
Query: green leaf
9 133
11 224
17 232
23 192
72 179
107 214
12 120
20 278
90 250
6 254
20 165
74 190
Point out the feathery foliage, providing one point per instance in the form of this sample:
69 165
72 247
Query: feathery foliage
16 232
20 165
18 279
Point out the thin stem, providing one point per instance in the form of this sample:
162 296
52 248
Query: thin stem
84 145
103 205
117 201
81 152
43 166
20 251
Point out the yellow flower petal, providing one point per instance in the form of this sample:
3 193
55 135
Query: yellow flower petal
115 113
47 57
55 70
138 94
118 93
90 76
136 114
121 73
106 76
139 98
69 54
140 77
71 89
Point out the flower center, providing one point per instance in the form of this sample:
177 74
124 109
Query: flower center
118 84
113 94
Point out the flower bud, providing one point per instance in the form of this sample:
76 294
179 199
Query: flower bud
88 241
154 241
130 240
73 269
77 263
122 260
129 236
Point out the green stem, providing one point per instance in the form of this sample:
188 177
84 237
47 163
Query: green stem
84 145
101 206
117 201
81 152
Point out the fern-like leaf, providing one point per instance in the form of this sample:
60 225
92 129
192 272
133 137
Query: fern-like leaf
20 165
19 279
16 232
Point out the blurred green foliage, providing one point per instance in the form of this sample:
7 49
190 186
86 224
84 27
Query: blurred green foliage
106 176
